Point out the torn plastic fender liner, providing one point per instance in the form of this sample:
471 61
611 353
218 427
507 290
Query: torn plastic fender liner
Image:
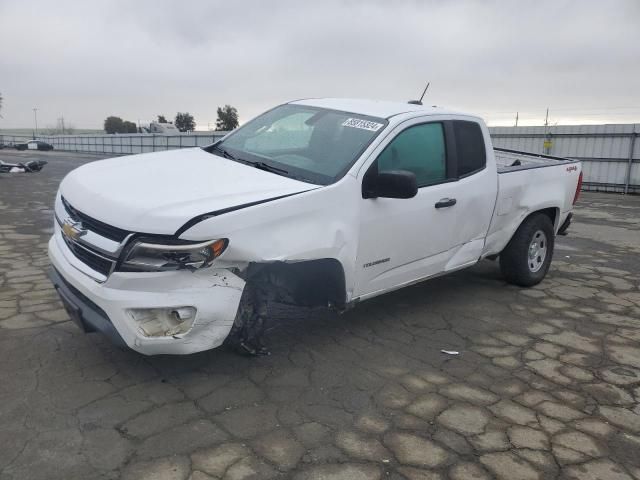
302 283
307 283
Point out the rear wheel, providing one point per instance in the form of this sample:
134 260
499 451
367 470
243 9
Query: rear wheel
526 258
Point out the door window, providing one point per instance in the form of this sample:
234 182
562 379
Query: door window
419 149
470 149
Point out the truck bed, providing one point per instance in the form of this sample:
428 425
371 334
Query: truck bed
536 182
513 160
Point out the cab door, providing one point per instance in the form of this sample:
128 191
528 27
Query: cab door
404 240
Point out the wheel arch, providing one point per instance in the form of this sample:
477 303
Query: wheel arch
516 262
318 282
553 213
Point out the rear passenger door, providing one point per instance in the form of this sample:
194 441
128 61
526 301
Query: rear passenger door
444 225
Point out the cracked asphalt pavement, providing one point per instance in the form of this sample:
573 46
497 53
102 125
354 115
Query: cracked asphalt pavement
546 384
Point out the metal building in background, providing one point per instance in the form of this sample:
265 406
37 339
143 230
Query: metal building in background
610 154
125 144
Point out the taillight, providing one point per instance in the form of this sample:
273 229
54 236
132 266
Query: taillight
578 187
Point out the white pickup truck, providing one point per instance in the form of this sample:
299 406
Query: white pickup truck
322 202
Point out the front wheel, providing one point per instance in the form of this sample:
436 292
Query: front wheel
526 258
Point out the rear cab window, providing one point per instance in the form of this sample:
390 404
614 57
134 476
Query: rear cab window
471 153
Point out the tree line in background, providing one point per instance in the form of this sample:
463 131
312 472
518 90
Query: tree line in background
227 120
185 122
117 125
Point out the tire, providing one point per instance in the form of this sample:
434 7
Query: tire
526 258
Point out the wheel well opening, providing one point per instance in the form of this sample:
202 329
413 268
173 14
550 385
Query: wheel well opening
552 213
309 283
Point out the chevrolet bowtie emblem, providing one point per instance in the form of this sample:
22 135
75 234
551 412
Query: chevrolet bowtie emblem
73 230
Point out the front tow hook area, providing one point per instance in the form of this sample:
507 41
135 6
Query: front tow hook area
83 312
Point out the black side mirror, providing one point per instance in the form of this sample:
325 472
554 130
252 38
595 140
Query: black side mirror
391 184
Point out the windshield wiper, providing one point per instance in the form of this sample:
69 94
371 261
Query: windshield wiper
224 152
261 165
266 167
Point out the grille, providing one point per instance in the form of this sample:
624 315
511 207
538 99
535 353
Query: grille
112 233
91 259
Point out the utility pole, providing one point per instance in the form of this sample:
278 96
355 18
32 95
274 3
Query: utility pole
35 116
547 144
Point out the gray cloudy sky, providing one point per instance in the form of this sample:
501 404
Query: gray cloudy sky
136 59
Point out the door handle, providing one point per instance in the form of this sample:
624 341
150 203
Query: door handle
446 202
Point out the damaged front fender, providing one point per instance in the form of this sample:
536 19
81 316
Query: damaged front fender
309 237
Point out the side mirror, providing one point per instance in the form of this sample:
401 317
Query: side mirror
391 184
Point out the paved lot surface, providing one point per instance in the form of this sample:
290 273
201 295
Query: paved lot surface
546 385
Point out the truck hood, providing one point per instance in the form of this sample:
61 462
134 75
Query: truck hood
159 192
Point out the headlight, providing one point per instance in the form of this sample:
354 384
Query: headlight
145 256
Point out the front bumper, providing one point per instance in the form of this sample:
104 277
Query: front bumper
104 307
86 314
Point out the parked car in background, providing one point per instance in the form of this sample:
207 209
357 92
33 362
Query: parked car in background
34 145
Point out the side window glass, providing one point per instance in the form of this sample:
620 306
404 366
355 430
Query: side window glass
470 147
419 149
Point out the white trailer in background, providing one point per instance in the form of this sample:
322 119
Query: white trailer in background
163 128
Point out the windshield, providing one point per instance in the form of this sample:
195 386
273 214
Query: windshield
312 144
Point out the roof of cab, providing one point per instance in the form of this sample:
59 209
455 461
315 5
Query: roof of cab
373 108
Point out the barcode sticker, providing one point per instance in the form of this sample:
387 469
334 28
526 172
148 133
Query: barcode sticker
363 124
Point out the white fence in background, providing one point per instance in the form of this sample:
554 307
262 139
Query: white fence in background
610 153
119 144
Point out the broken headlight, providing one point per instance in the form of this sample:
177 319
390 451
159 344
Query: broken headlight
145 256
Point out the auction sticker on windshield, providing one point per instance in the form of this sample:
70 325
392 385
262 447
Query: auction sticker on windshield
363 124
